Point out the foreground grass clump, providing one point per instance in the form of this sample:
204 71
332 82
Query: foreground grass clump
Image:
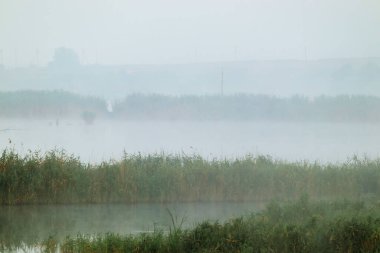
297 227
57 178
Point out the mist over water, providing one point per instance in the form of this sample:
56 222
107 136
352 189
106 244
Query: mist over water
40 222
107 139
295 80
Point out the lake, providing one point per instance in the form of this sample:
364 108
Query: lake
30 224
104 140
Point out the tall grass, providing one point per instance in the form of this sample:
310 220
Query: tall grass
60 178
299 227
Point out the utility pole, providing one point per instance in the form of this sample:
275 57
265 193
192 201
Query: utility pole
15 58
83 61
37 57
221 85
305 54
96 56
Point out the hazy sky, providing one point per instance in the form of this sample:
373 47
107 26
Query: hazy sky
177 31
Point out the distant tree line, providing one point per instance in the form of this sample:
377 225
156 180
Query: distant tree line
45 104
60 104
250 107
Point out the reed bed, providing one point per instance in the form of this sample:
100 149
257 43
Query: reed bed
58 178
302 226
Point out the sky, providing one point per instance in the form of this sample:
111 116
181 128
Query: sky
179 31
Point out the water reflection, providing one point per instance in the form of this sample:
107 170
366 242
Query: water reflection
30 224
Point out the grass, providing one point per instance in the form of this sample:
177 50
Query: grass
58 178
336 208
302 226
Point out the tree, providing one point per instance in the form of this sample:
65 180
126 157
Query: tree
65 58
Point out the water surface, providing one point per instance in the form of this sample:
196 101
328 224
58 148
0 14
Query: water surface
30 224
104 140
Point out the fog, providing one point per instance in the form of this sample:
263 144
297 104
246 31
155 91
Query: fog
119 116
121 32
276 77
110 49
106 140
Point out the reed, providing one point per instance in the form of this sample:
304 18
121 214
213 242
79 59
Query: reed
58 178
302 226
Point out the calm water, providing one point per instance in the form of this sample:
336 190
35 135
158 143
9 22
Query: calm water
107 139
29 224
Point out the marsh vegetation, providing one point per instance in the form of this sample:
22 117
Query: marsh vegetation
58 178
196 126
297 227
331 207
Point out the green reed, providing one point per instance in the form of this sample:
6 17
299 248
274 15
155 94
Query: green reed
58 178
